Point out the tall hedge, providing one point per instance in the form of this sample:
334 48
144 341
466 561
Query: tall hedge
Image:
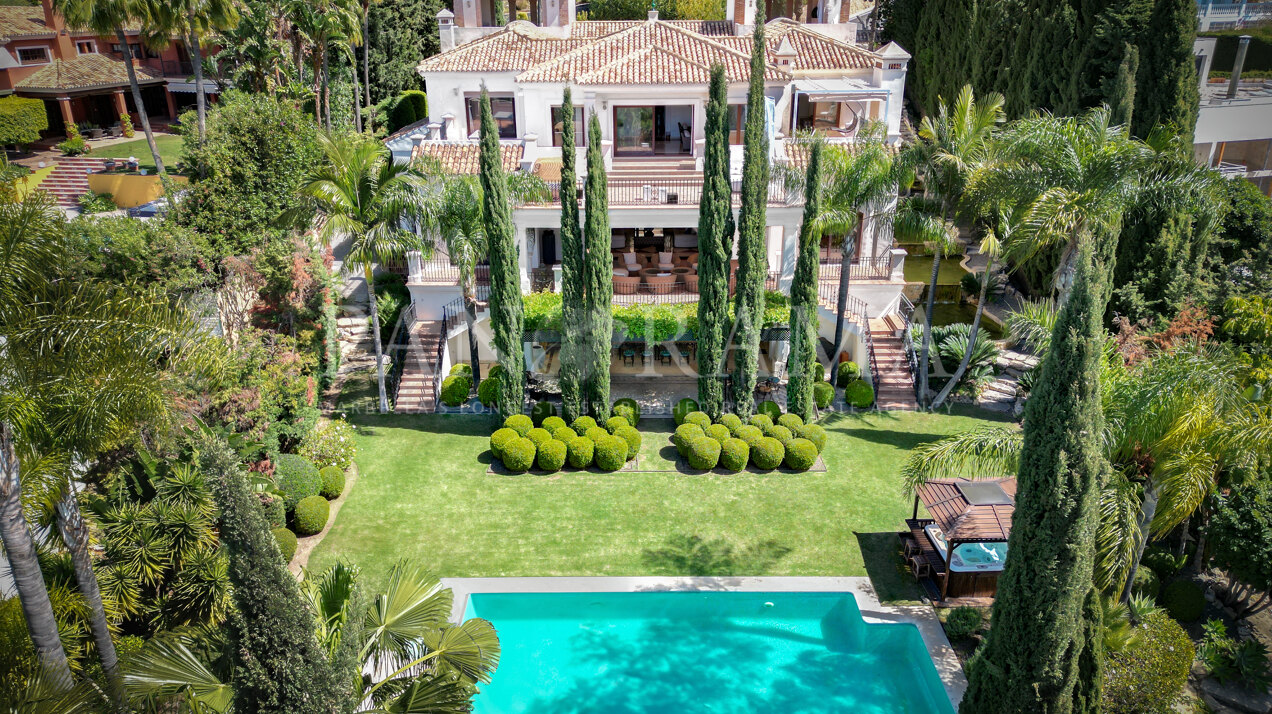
21 120
1166 91
598 273
803 357
505 271
1043 652
752 262
571 271
715 247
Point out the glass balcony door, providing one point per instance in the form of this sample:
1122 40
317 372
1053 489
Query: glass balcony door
634 131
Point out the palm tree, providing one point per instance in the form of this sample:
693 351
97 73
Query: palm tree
364 194
464 233
919 219
110 17
194 20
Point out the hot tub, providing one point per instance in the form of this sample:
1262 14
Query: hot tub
968 557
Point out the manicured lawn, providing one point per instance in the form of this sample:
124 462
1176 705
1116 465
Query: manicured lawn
169 151
423 492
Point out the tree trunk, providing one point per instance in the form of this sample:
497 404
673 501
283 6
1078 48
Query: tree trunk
326 88
971 342
841 306
317 87
366 69
200 96
927 329
470 319
74 531
375 334
1147 510
136 93
357 96
24 564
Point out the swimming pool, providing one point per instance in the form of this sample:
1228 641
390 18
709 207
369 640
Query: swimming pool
645 652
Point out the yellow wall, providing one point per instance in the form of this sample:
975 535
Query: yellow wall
129 190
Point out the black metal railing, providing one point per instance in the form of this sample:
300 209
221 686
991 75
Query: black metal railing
439 271
906 309
864 268
669 191
399 350
438 356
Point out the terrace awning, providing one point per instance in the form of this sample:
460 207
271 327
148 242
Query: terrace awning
838 90
971 511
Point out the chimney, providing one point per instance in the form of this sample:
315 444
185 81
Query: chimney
446 29
653 15
64 48
786 54
1243 46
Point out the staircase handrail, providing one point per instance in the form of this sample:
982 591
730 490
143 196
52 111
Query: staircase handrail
858 308
906 309
399 348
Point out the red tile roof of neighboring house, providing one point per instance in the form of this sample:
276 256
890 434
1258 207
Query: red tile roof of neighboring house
814 51
461 157
593 29
90 71
22 21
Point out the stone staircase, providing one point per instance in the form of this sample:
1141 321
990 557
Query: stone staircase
894 384
1000 395
416 392
69 179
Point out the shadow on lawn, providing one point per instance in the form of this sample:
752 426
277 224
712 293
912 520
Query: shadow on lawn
888 573
685 554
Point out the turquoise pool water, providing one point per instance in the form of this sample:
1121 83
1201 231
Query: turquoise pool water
725 652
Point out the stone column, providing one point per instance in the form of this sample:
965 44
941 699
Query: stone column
64 104
121 106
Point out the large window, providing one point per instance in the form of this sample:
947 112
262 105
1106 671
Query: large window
737 122
86 47
504 110
33 55
580 136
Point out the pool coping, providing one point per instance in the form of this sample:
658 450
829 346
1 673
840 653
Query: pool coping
921 616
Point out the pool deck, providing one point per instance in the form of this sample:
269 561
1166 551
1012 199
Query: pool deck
921 616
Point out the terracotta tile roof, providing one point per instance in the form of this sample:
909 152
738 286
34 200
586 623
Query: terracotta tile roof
814 51
595 29
23 21
519 46
797 152
461 157
89 71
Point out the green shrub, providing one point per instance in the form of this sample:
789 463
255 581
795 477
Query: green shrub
582 424
847 373
732 422
553 423
684 434
1183 600
518 455
455 389
611 453
769 408
704 453
330 444
519 423
311 515
1146 583
1243 662
628 408
463 369
814 433
632 437
296 478
21 120
496 371
962 622
488 392
734 454
767 453
801 454
596 433
859 394
719 432
751 435
74 146
501 437
541 411
18 659
93 202
287 543
699 418
275 511
1148 677
1161 561
683 407
616 422
539 436
579 452
792 422
333 482
551 455
563 434
823 394
779 432
819 373
763 421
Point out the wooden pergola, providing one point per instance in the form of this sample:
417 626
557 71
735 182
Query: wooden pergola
968 511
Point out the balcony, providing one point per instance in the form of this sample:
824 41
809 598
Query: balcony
656 192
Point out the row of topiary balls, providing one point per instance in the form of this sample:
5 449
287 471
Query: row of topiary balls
731 444
459 384
520 445
306 490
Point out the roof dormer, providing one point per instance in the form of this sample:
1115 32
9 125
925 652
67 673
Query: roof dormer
785 54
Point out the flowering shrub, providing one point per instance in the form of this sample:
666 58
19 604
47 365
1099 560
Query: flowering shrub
331 444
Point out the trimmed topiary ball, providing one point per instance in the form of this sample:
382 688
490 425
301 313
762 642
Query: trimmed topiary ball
287 543
495 372
704 453
684 434
579 452
488 392
539 436
779 432
551 455
519 423
800 455
582 424
627 408
1146 583
719 432
455 389
750 434
1183 600
859 394
333 482
683 407
553 423
632 437
311 515
463 369
847 373
541 411
769 408
596 433
963 622
734 453
296 478
819 373
518 455
616 422
699 418
791 421
563 434
767 454
611 453
732 422
814 433
501 437
762 420
823 394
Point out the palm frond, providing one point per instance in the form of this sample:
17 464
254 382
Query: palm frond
989 452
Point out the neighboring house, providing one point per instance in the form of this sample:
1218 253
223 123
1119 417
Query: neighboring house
81 76
646 81
1227 15
1234 123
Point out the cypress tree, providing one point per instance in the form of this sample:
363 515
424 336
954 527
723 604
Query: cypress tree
752 262
714 249
505 273
1166 90
1121 93
803 358
1042 655
598 274
571 271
